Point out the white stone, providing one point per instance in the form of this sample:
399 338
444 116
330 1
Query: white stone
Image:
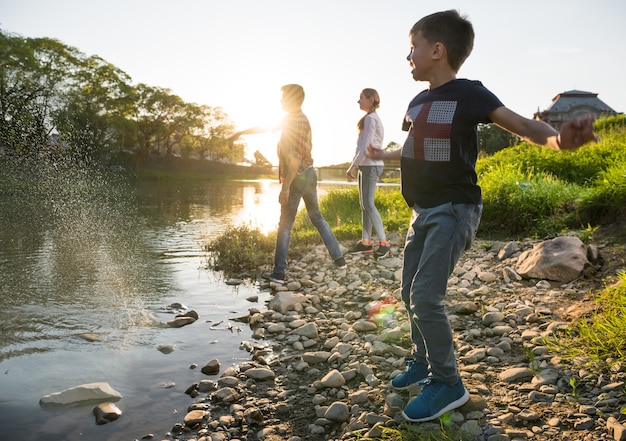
84 392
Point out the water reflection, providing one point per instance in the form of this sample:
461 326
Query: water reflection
87 263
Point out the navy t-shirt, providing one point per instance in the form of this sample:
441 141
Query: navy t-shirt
439 156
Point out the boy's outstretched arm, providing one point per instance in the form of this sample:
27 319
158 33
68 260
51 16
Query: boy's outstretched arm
574 133
374 153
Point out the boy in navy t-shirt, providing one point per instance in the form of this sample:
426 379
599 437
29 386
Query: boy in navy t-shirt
439 183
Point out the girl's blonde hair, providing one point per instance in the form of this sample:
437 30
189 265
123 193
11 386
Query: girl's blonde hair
371 94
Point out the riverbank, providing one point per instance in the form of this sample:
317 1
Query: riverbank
324 351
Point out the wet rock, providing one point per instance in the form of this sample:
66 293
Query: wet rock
166 348
179 322
106 412
84 392
194 417
212 367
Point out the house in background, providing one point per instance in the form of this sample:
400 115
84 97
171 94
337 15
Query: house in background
568 105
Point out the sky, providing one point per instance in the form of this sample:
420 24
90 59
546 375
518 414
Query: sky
237 54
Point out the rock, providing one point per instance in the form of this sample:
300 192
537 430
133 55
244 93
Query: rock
364 326
234 282
91 336
562 259
194 417
212 367
333 379
515 374
260 374
492 317
106 412
84 392
338 412
179 322
282 301
309 331
315 357
616 429
166 348
253 415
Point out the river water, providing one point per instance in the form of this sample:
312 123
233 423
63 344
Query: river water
86 272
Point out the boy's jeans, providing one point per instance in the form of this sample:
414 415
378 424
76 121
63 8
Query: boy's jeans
370 217
436 238
304 186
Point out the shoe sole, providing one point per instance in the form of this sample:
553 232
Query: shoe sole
280 282
361 252
455 404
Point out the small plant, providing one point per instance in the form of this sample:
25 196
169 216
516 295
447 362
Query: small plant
573 384
534 362
586 234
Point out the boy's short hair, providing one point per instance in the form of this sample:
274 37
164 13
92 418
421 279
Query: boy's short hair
450 28
293 93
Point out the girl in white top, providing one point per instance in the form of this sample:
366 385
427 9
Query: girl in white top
371 132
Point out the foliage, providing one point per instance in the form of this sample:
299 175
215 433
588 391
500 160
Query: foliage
55 99
240 250
532 190
492 138
518 201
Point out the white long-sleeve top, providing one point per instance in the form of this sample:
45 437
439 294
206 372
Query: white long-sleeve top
372 133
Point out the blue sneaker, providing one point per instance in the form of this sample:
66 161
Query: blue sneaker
435 399
414 373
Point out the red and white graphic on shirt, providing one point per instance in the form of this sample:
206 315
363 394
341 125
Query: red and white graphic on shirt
429 137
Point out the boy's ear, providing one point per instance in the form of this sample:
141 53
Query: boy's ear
438 50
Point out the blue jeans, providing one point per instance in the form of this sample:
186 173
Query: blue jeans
304 186
434 243
370 217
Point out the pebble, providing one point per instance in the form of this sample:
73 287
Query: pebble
337 337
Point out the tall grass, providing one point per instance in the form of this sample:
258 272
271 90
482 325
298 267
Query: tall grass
342 211
530 190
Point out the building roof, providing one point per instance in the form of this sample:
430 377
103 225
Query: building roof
565 101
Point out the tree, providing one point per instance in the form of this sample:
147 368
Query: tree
33 76
92 119
212 134
492 138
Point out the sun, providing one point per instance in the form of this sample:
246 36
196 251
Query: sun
265 111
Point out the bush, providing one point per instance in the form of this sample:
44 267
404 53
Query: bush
240 250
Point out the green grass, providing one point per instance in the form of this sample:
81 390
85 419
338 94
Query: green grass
600 338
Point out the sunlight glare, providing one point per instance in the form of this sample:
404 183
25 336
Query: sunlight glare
264 211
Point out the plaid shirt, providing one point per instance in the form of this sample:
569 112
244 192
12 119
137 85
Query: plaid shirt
295 141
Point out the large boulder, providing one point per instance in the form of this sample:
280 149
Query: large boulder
562 259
